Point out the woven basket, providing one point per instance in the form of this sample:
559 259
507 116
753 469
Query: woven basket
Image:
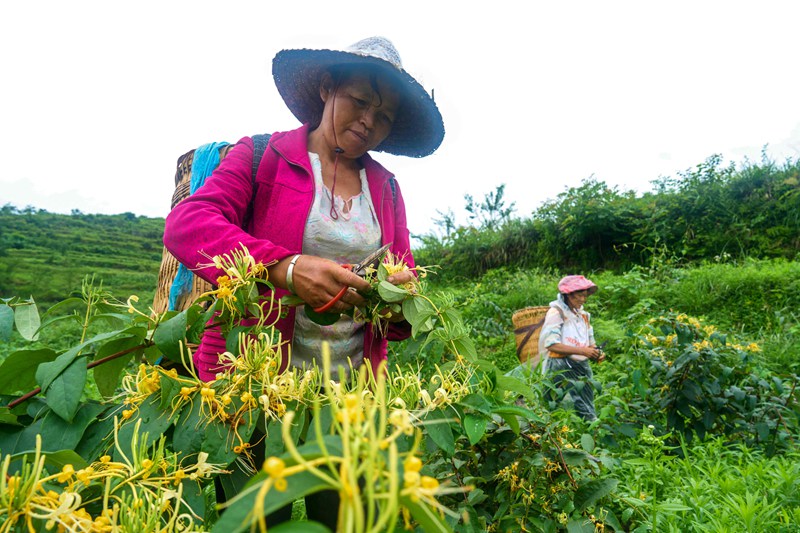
527 327
169 265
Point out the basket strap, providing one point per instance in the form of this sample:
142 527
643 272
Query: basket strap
530 329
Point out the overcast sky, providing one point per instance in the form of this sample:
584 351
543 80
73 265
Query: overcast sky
100 98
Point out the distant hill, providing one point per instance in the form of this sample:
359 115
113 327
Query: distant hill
47 255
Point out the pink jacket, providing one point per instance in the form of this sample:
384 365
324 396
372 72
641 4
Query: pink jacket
210 220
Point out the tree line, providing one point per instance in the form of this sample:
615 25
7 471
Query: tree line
712 212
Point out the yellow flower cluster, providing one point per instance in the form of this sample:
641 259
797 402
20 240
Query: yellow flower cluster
31 493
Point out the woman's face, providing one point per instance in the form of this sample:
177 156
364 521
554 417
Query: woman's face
577 299
357 117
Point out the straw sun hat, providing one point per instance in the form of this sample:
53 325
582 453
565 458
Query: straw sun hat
418 129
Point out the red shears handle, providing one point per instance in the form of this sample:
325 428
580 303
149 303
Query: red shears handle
326 307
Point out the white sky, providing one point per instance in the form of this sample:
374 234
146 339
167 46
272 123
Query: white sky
100 98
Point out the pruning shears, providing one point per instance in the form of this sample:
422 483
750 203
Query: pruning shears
360 268
602 351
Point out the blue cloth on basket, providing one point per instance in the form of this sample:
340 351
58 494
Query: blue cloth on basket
206 159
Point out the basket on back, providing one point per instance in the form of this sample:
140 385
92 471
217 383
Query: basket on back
169 265
527 327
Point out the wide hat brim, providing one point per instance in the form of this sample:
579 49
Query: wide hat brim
418 129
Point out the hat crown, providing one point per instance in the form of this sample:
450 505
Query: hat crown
378 47
574 283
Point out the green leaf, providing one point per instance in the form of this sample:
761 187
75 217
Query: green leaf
18 371
588 494
68 305
6 322
429 519
26 318
232 338
56 460
437 426
239 514
391 293
515 385
47 372
154 422
673 507
97 437
299 527
57 434
502 410
194 497
64 393
511 420
382 272
7 417
583 526
170 388
106 375
474 427
195 433
574 456
169 336
587 442
465 347
762 428
417 311
476 496
422 327
291 300
323 319
477 402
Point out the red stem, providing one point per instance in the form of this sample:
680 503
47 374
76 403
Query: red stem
93 364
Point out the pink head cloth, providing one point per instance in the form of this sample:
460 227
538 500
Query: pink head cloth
569 284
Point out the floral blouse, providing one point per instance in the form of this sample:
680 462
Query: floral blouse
347 239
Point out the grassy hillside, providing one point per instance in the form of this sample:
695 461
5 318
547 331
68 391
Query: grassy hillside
46 255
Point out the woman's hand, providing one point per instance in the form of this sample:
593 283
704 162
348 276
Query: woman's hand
593 352
317 281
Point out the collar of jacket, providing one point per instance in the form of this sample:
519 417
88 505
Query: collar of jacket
293 147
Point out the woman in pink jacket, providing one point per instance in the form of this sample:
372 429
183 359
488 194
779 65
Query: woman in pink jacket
319 200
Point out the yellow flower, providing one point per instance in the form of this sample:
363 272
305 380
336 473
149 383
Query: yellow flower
280 484
274 466
208 393
134 299
66 473
412 464
84 475
223 281
411 478
225 293
179 475
429 483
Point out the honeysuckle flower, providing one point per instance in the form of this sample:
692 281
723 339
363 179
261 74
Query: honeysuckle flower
66 474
